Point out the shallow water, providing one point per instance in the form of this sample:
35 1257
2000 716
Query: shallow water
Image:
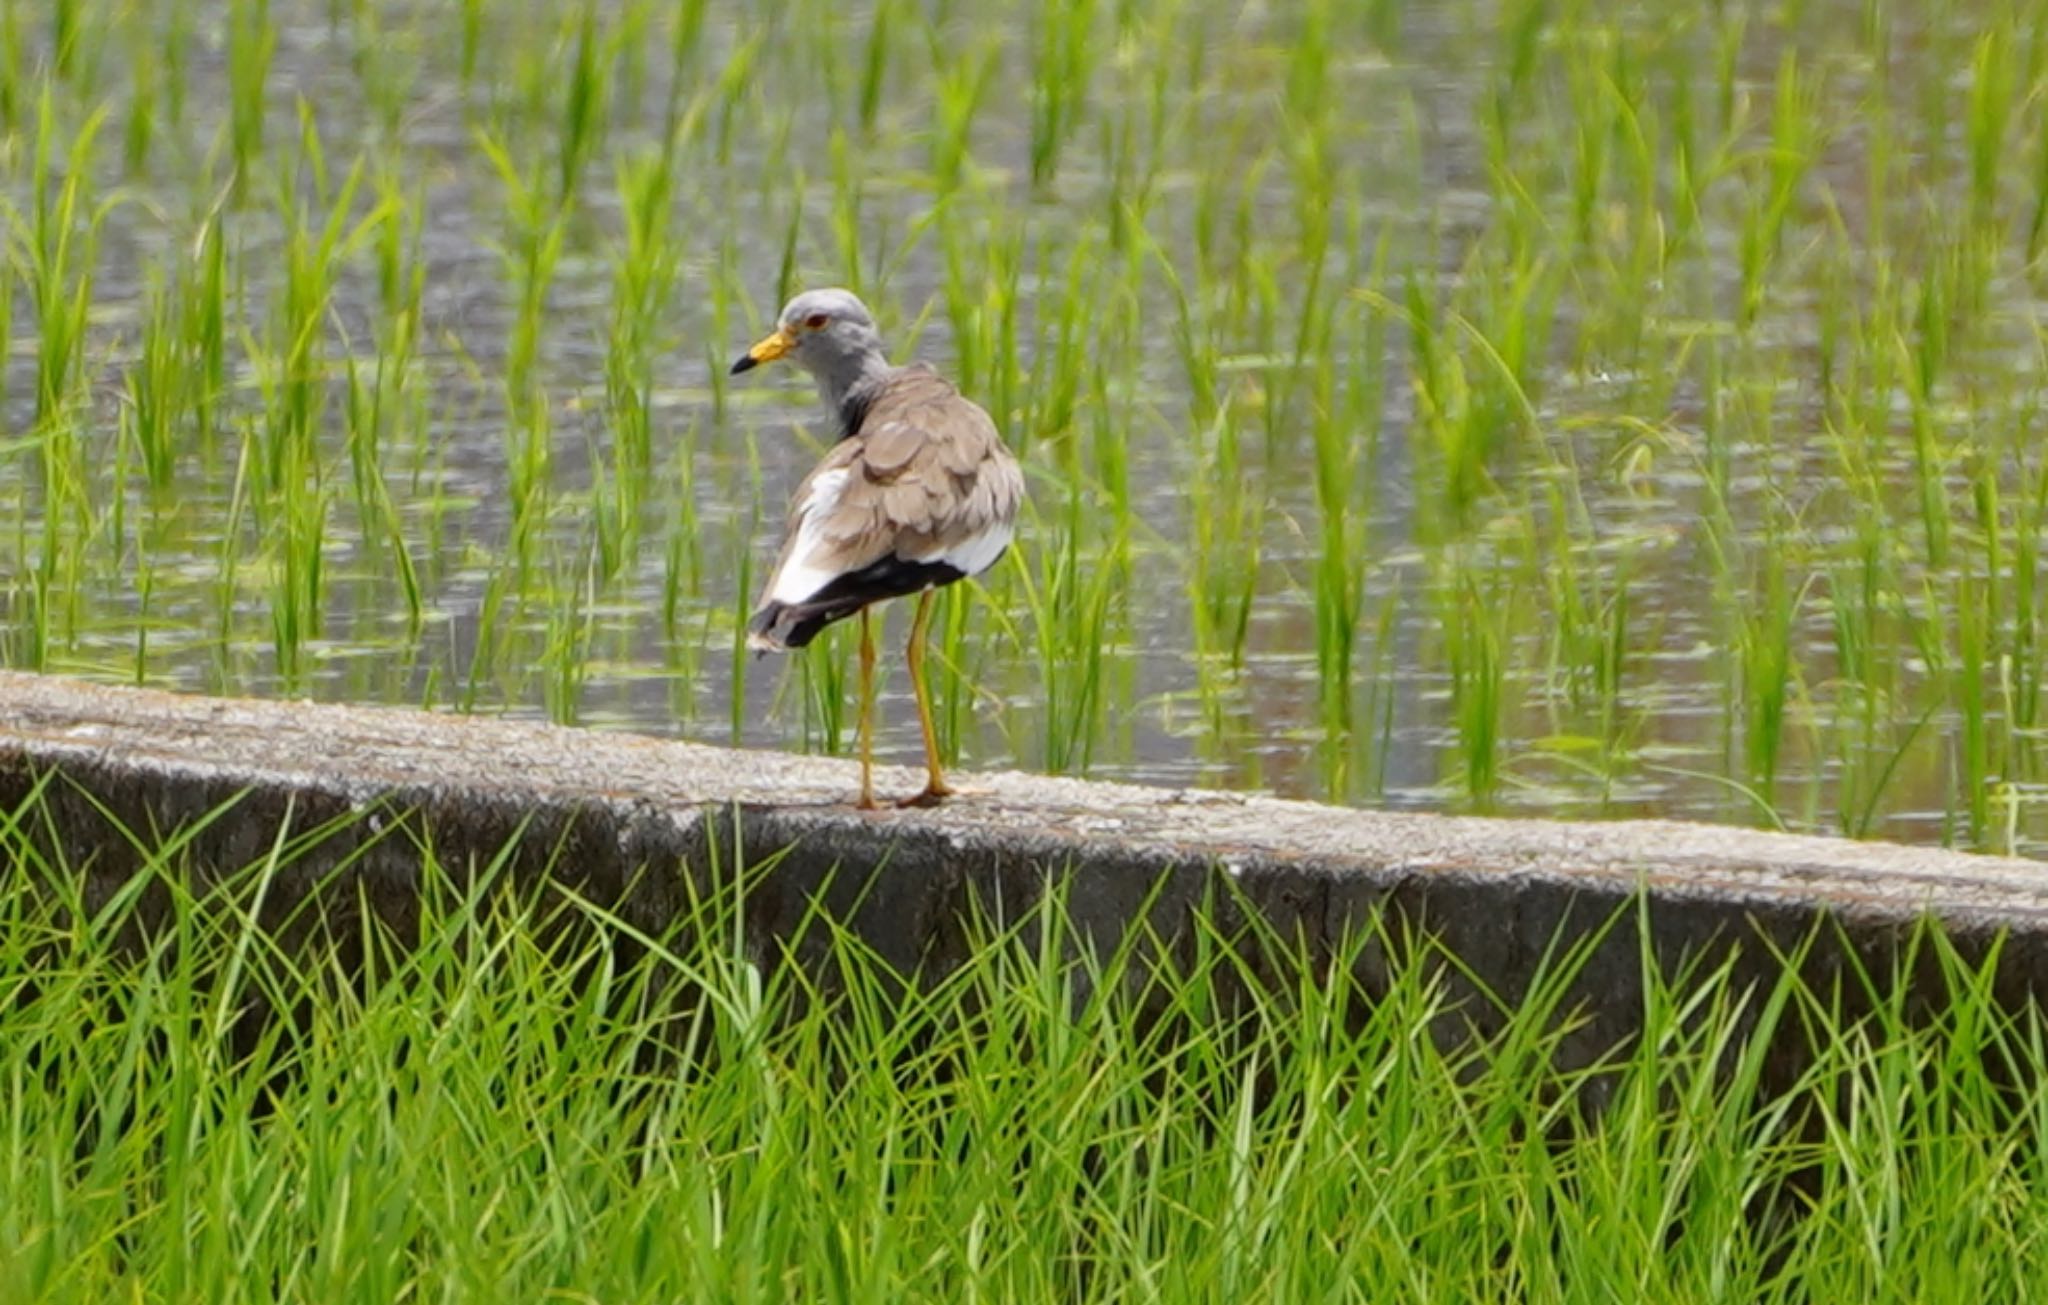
1678 449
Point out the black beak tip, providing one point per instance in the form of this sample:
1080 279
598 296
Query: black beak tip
747 362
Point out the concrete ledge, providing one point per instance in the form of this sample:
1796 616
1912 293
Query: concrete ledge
627 818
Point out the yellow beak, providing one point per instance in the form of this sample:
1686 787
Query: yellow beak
768 350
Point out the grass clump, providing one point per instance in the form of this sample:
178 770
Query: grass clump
530 1099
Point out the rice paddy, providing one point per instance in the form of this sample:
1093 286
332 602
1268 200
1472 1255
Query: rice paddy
1532 405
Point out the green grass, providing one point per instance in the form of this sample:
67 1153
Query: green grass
537 1099
1692 348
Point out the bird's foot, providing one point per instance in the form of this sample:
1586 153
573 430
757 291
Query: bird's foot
934 793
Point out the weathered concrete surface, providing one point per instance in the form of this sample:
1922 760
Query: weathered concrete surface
628 819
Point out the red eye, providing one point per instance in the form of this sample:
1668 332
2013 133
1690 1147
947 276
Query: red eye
816 321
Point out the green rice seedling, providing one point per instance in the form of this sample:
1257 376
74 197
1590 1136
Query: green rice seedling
9 273
565 658
64 30
59 243
966 287
1069 603
1930 451
1620 215
2037 224
1796 139
733 86
1340 569
524 96
530 250
1110 416
960 83
1981 765
874 64
635 38
494 619
530 254
369 409
1088 323
1867 678
1226 521
386 64
1378 697
1222 204
984 271
401 258
1593 640
204 326
1603 117
645 275
1475 654
139 123
1767 656
1455 438
301 510
583 105
848 222
15 91
1345 425
683 566
614 501
224 592
616 492
156 391
145 593
1062 67
251 44
172 66
475 21
292 371
686 42
1133 141
2030 516
1691 160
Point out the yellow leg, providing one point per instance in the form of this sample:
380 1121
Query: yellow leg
867 713
935 786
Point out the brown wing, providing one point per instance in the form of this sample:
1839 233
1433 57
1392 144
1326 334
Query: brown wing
925 479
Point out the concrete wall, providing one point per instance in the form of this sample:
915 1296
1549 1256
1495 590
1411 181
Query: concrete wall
630 820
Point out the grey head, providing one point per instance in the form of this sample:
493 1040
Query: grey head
831 334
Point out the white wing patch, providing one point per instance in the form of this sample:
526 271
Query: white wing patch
977 552
798 579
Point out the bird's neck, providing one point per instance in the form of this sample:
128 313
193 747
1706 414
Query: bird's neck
849 388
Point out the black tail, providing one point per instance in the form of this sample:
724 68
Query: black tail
778 627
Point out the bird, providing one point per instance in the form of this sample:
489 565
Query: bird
918 492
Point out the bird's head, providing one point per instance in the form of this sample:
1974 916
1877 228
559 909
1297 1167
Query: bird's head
824 330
